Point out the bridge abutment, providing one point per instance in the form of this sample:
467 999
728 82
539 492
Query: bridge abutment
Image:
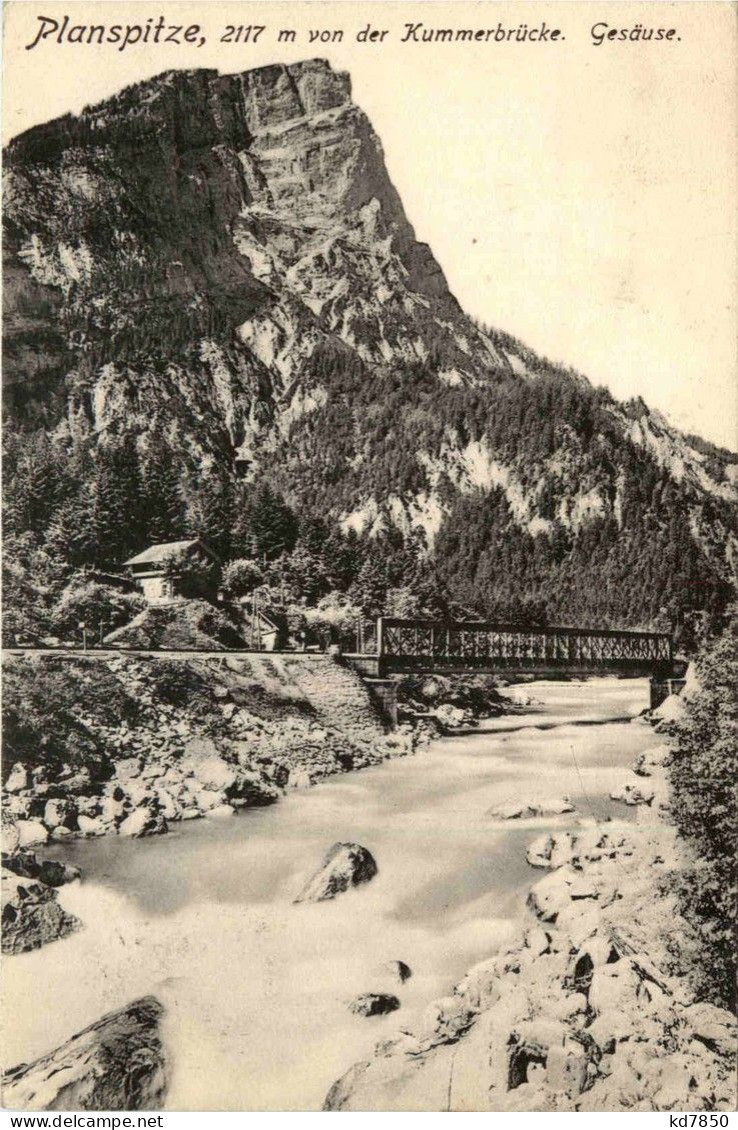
383 692
662 688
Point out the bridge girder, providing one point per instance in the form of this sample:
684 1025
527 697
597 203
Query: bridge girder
407 646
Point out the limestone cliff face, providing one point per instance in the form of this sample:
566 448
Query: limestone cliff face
217 228
222 262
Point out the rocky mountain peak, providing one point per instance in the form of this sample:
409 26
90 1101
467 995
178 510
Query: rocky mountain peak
219 266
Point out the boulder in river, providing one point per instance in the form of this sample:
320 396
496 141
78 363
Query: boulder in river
345 866
396 971
449 716
221 812
525 810
539 852
250 789
656 758
374 1004
117 1063
143 821
519 697
578 848
633 794
51 872
31 915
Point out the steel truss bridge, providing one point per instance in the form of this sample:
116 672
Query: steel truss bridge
478 646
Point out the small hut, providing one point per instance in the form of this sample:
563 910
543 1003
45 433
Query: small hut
176 570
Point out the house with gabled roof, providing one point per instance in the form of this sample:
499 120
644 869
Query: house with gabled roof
155 570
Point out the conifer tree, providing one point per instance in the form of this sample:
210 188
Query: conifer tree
162 500
270 524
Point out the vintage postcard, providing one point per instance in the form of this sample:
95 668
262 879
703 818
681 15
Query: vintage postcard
370 528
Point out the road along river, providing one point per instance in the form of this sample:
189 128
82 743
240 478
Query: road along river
256 987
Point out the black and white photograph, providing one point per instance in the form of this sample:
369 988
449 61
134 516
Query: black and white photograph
369 557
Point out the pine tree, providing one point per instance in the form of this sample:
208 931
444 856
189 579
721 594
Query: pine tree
72 532
117 512
369 590
271 526
162 501
209 511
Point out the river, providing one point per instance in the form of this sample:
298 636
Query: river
256 987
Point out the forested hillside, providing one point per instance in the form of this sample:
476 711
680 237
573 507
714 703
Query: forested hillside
218 323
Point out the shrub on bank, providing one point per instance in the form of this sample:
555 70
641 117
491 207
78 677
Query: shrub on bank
45 704
703 802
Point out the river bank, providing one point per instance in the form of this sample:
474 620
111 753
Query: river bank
204 920
118 744
586 1010
128 745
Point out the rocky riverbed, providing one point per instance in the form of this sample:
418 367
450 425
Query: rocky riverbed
164 915
584 1011
201 738
190 739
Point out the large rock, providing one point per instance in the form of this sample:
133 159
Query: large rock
214 773
633 794
31 916
656 758
117 1063
345 866
519 697
250 789
299 778
443 1020
614 989
168 804
31 833
10 837
551 895
374 1004
128 768
221 812
450 716
60 812
141 793
112 811
51 872
539 852
94 825
671 709
525 810
143 822
578 848
17 778
397 971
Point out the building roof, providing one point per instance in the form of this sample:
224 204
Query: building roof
157 554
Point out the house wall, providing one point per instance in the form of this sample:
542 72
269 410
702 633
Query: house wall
155 588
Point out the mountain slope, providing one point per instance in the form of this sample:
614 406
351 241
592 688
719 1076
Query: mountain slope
217 271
